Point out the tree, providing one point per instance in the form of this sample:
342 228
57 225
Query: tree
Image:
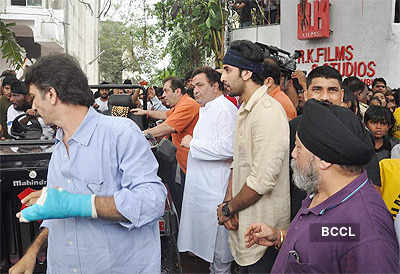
196 32
132 45
118 55
10 49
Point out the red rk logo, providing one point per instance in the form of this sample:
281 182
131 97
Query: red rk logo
319 28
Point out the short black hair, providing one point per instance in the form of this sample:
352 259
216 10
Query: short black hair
18 87
63 73
8 80
354 84
127 82
350 97
272 69
376 80
251 52
324 72
212 75
188 76
379 114
176 83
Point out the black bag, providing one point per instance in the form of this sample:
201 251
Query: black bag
166 151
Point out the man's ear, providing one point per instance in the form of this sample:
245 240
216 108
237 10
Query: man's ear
324 165
52 95
178 91
246 74
268 81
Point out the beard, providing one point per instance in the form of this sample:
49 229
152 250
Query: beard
307 180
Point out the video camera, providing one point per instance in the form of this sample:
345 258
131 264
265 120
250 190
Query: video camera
285 60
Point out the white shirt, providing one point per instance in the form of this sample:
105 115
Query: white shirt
397 227
396 152
103 106
208 168
12 113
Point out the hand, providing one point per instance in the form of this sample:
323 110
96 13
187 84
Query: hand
232 223
261 234
301 77
151 93
25 266
31 198
139 111
186 141
31 112
95 106
222 219
56 203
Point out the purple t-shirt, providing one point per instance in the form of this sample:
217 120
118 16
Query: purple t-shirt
350 232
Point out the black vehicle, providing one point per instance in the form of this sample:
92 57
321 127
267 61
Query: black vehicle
23 166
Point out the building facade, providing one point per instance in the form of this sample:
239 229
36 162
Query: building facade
364 37
46 27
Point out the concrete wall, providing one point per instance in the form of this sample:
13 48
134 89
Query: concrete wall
82 32
70 28
364 28
270 35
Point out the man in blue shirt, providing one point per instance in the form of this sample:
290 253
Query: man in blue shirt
103 195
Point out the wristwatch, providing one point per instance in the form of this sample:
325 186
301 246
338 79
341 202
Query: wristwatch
225 210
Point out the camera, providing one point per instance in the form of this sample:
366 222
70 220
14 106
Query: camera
285 60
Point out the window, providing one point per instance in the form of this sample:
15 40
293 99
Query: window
34 3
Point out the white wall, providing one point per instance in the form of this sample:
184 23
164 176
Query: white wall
366 25
82 33
270 35
73 30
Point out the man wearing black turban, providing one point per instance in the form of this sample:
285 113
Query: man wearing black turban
324 84
343 224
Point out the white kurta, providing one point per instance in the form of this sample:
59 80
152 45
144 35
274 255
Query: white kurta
208 168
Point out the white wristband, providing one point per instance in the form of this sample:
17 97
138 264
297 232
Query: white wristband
94 211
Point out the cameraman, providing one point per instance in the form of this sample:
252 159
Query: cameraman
243 8
272 74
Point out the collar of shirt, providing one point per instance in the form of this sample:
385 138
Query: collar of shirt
257 95
275 91
212 103
181 100
336 199
85 130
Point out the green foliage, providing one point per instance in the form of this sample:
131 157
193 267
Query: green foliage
118 54
191 26
131 45
9 47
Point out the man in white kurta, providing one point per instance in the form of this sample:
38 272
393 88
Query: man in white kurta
208 169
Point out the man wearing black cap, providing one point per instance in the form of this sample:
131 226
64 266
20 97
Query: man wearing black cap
258 189
324 84
21 102
343 224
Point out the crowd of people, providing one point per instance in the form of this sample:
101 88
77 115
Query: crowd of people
263 169
257 12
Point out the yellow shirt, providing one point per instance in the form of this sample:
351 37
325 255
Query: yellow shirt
261 160
396 127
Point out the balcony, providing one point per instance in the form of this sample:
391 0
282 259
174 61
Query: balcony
42 20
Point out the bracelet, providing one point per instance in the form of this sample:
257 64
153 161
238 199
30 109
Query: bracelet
277 246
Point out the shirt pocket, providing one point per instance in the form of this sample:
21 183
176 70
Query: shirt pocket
301 265
95 186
